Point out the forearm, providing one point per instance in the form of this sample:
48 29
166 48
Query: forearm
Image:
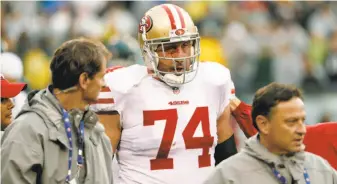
226 143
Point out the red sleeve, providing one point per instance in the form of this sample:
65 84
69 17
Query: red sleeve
321 139
242 115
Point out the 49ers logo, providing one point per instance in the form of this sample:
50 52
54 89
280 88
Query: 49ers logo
145 22
180 32
182 102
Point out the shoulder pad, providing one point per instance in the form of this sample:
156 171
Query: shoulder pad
121 80
214 72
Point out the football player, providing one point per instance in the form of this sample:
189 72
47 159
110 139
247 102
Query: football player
168 120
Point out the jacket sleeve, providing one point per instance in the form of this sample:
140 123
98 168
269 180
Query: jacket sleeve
334 176
21 152
242 115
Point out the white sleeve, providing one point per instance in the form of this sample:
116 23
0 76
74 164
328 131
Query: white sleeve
118 82
220 78
226 93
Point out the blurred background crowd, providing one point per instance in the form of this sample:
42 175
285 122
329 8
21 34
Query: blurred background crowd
260 42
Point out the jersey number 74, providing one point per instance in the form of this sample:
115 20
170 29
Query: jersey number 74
200 115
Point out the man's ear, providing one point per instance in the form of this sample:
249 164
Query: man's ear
263 123
83 80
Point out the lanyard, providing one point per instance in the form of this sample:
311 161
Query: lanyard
67 126
284 181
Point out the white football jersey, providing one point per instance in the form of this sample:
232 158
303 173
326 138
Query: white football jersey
168 135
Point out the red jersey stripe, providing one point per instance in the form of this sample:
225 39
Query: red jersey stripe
111 69
105 101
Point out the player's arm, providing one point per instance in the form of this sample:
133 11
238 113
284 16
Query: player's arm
226 146
111 122
106 110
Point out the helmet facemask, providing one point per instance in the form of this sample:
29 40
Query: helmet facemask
184 69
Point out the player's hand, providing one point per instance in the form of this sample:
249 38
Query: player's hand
234 103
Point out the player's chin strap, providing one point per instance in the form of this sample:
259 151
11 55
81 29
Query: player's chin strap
175 80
